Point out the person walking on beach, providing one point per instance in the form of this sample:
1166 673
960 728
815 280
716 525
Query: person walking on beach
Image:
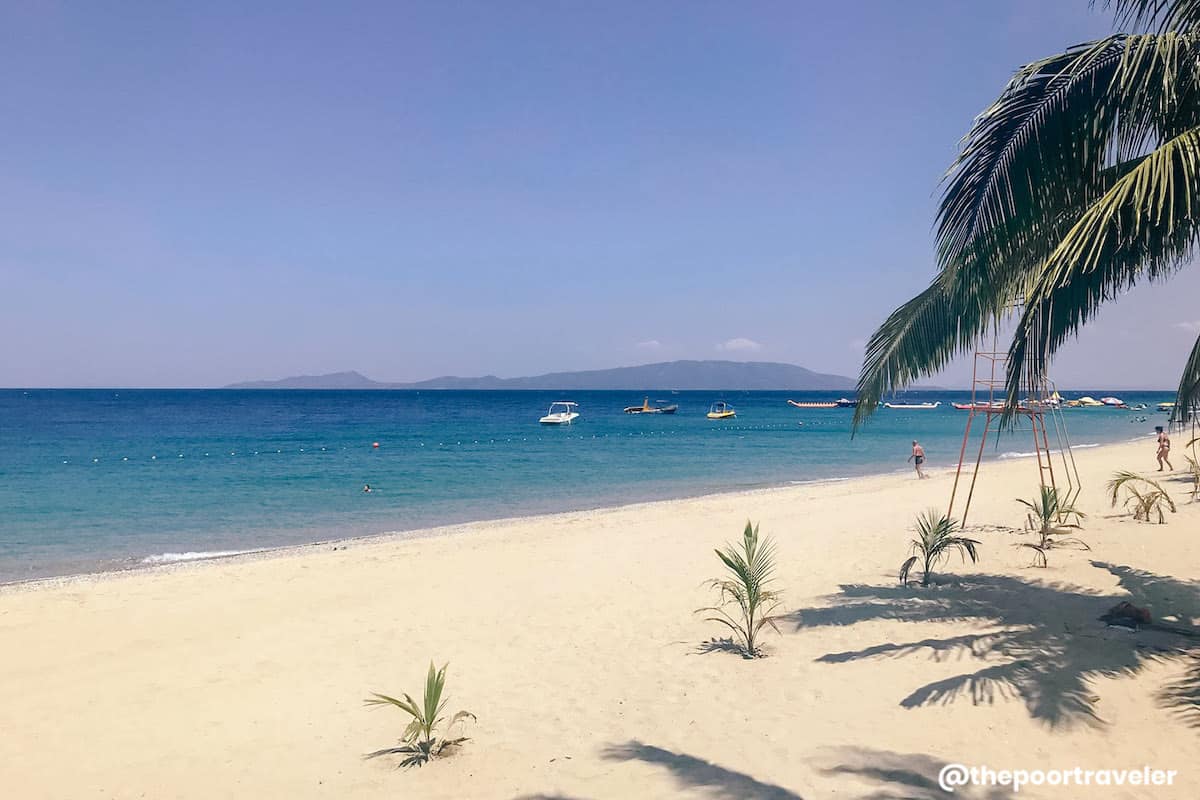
1164 449
918 458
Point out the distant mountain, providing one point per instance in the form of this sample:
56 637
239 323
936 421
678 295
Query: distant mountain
666 375
334 380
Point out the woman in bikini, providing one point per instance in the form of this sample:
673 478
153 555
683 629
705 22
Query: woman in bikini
1164 449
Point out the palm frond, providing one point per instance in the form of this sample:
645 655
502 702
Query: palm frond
1054 131
1156 15
1143 495
1187 396
922 336
1077 182
1039 558
1144 227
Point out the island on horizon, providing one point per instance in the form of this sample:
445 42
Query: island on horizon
679 375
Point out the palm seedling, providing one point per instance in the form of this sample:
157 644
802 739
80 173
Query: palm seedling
421 739
1194 470
746 603
1144 497
1051 517
936 539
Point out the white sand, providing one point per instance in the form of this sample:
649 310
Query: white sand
573 638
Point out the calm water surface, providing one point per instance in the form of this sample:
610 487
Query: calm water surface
102 479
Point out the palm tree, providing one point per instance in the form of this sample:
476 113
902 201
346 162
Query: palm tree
1079 181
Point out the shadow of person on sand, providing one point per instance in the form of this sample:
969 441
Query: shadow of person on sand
1046 637
719 782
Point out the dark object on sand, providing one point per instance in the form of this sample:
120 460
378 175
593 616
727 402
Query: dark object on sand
1127 615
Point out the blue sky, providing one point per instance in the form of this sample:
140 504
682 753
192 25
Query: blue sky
198 193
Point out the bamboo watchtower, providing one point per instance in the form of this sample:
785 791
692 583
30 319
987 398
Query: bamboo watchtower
1039 406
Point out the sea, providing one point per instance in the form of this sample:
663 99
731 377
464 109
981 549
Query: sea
96 480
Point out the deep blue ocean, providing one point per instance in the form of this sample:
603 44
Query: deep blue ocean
108 479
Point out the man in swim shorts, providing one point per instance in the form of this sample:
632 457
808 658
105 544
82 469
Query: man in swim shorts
918 458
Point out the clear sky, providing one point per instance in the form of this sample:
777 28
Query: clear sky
198 193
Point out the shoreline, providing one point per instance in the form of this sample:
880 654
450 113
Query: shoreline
414 534
145 562
574 639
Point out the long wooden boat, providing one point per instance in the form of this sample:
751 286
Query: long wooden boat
839 403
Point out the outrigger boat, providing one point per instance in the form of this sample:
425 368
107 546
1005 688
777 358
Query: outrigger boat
561 413
911 406
978 406
646 408
839 403
721 410
1166 407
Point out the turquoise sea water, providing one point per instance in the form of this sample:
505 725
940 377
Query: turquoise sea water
106 479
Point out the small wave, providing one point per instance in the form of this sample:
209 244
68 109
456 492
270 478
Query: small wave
171 558
1031 454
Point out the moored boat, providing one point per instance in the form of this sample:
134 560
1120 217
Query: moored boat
841 402
912 406
657 408
978 406
721 410
561 413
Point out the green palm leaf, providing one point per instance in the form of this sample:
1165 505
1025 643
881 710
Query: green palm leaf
1157 14
1187 396
1079 181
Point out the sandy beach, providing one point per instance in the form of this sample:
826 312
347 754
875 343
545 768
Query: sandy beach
573 639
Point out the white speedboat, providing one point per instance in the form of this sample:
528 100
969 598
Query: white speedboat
561 413
922 406
1112 401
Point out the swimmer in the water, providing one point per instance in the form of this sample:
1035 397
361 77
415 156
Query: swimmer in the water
366 488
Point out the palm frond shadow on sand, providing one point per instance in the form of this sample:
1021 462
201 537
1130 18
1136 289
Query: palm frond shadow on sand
898 776
717 782
1043 642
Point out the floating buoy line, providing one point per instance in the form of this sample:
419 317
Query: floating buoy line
378 446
